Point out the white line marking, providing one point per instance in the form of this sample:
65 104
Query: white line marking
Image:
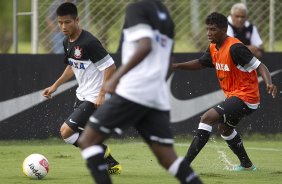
226 147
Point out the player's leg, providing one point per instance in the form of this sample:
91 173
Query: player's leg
208 119
69 135
74 125
114 115
154 128
176 166
232 111
93 152
114 167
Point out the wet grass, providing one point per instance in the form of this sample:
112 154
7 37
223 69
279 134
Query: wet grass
140 166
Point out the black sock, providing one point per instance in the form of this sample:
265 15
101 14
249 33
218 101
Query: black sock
185 173
197 144
99 169
236 145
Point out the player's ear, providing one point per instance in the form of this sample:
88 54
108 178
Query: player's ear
77 19
224 30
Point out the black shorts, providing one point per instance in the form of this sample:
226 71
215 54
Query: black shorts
232 110
118 113
82 111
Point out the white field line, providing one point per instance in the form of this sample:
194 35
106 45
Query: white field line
226 147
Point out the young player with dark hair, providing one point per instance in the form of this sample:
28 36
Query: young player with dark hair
236 69
92 66
141 97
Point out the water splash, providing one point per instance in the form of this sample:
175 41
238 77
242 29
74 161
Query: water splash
224 159
222 156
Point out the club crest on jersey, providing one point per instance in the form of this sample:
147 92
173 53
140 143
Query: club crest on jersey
222 67
77 52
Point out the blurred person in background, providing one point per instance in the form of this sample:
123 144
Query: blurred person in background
56 35
239 27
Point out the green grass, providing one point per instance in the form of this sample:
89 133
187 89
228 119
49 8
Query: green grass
180 46
139 166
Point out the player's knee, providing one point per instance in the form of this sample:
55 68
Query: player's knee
210 117
66 131
206 119
225 130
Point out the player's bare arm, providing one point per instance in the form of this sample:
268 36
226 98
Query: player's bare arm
144 48
271 88
67 74
108 72
257 51
189 65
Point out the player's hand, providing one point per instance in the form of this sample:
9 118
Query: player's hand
174 66
271 89
48 92
110 85
100 100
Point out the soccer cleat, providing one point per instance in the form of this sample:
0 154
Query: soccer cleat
116 169
113 166
241 168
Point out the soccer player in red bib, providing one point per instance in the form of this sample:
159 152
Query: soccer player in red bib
236 69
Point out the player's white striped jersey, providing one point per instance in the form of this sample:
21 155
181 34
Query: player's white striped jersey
88 60
145 84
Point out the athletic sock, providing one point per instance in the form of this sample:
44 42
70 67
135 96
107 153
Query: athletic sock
183 172
198 142
235 143
73 139
94 157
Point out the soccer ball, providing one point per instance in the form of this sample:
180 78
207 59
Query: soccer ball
35 166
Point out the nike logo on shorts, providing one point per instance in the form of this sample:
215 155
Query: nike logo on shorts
73 122
220 107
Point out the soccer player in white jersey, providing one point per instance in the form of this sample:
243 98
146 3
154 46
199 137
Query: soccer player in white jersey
89 62
141 99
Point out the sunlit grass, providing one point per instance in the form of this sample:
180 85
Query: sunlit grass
140 166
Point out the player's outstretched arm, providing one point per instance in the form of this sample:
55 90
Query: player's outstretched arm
271 88
67 74
189 65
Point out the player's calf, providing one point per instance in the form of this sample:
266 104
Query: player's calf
183 172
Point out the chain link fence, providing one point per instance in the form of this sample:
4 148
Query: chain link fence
104 18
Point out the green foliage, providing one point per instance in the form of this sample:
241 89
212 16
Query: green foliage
6 23
139 166
6 26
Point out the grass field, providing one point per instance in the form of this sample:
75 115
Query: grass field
139 166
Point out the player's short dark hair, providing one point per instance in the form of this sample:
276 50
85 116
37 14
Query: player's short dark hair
217 19
67 9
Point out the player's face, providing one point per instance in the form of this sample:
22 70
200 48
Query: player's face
214 33
238 18
68 24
